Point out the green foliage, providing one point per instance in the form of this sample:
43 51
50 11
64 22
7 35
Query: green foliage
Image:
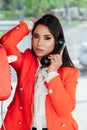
79 3
29 8
38 7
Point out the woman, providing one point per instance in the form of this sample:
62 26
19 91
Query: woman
46 94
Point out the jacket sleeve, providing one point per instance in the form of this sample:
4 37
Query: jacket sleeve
62 91
11 39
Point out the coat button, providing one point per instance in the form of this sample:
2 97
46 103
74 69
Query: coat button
63 125
21 107
17 27
50 91
21 89
20 123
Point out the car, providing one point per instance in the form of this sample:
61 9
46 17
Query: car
82 56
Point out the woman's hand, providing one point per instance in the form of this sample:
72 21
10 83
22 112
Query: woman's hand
30 23
35 20
55 62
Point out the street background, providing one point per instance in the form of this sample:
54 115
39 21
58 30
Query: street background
73 16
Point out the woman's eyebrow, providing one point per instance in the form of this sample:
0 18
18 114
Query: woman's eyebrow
47 35
35 33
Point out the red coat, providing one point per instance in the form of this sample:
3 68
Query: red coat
59 104
5 81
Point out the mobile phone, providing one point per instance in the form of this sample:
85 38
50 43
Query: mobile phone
45 62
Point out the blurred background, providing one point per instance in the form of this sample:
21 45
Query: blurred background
73 17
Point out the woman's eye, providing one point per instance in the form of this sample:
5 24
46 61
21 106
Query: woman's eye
35 36
47 38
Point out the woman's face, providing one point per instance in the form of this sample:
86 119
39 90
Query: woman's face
42 41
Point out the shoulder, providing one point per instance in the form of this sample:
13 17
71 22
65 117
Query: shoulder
69 69
70 72
29 57
28 54
28 51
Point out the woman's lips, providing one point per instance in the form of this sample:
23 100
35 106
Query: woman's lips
39 50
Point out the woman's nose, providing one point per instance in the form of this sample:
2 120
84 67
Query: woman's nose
40 41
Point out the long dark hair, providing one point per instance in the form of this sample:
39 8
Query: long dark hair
56 30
